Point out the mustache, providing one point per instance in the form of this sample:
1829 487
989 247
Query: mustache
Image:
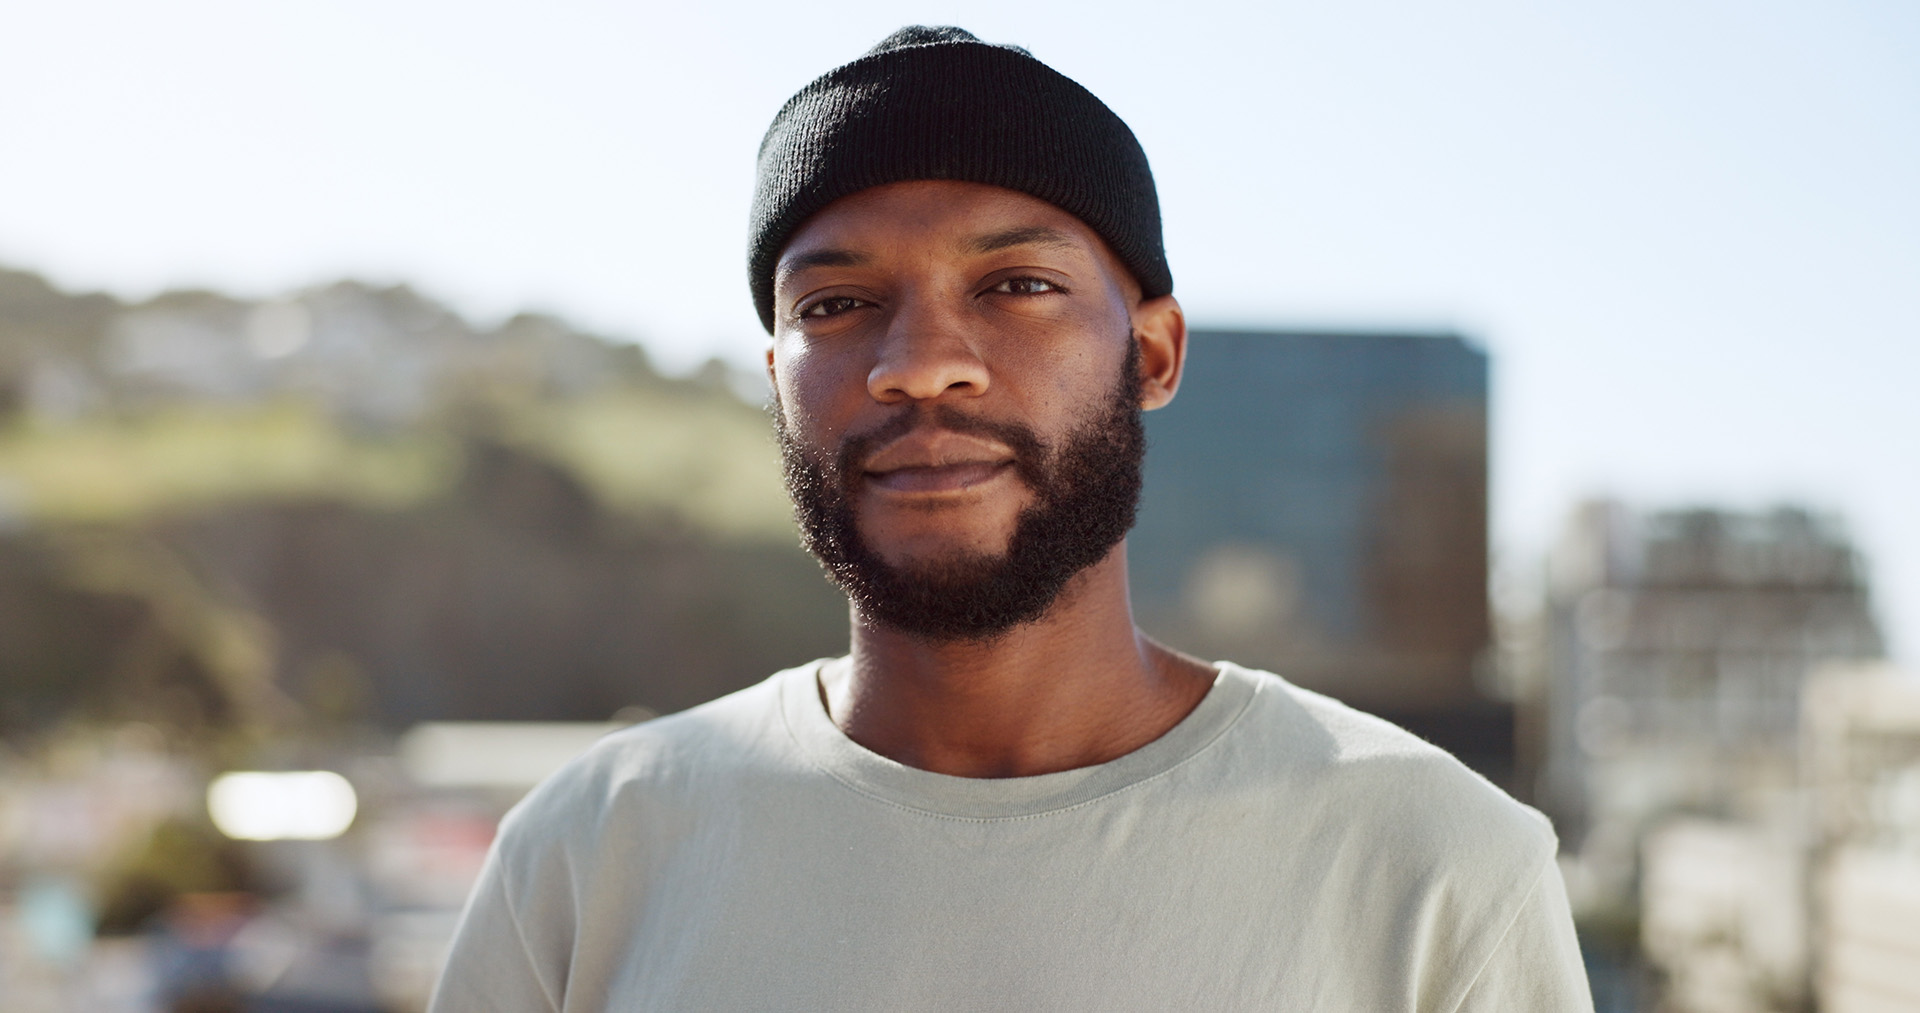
1029 452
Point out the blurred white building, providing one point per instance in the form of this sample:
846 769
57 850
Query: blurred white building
1862 763
1678 644
378 357
1723 915
1821 903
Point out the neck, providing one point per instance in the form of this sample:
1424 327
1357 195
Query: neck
1078 687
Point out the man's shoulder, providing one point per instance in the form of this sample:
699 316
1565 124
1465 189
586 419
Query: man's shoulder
1376 779
661 765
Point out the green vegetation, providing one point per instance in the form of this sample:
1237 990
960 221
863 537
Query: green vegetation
699 456
106 469
252 522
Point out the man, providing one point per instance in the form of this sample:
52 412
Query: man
1006 796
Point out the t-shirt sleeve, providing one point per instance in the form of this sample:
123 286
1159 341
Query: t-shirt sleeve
490 966
1537 964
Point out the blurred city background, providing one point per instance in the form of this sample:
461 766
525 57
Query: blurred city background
381 422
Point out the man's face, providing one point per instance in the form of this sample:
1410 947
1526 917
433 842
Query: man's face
957 397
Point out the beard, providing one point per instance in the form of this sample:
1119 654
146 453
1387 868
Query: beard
1086 489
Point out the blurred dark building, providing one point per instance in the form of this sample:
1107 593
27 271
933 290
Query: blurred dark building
1316 504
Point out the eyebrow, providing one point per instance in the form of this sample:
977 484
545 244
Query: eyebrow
1027 235
830 257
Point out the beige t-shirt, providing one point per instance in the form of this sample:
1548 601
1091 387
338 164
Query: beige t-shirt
1274 850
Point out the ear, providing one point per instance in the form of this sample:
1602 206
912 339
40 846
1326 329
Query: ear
1161 328
773 382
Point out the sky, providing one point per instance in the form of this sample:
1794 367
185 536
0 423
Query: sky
1687 234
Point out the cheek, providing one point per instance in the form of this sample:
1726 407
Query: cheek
1059 379
1102 332
813 387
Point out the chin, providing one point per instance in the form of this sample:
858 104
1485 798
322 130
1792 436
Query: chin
926 561
937 542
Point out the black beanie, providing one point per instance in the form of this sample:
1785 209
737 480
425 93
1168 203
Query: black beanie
937 103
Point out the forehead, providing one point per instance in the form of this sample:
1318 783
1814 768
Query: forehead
948 215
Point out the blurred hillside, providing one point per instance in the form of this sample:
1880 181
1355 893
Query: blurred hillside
349 506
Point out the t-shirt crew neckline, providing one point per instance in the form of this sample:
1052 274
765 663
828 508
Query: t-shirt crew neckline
871 774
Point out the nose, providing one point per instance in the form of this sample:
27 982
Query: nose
926 355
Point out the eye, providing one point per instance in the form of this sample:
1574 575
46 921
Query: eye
1026 286
832 305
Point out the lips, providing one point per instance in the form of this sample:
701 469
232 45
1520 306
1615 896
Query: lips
936 461
937 478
